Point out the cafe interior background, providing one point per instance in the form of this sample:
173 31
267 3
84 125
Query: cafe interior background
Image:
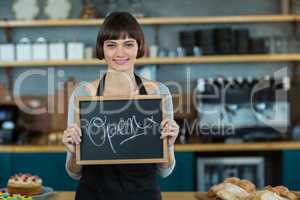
231 57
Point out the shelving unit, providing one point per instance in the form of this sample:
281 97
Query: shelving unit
165 60
157 21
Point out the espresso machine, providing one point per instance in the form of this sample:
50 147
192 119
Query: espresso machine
243 108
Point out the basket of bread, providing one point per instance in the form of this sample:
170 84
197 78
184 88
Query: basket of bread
236 189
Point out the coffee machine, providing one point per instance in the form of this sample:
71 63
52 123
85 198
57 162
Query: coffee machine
246 108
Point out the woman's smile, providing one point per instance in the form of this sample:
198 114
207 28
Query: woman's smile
121 61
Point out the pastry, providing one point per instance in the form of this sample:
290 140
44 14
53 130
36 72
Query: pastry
274 193
232 189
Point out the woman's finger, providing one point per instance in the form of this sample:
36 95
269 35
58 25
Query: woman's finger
168 134
73 131
77 138
171 134
175 125
68 133
74 137
164 123
172 129
69 141
78 130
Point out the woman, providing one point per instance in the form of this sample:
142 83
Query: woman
120 42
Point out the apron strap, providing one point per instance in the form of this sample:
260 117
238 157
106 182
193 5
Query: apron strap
139 82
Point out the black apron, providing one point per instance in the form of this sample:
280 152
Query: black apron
119 182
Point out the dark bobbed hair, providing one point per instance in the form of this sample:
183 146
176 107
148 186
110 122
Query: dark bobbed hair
120 25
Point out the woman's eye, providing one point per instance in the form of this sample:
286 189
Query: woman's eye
110 45
129 45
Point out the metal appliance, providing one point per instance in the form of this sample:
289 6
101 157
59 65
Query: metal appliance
211 171
250 108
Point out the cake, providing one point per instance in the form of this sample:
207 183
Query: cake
7 196
25 184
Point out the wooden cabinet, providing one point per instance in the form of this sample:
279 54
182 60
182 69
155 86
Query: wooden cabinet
290 169
183 177
5 168
51 168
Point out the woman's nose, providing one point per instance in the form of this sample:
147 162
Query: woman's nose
120 50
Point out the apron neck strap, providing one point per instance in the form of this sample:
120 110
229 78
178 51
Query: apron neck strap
139 82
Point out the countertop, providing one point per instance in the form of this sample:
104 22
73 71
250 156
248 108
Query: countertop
165 196
197 147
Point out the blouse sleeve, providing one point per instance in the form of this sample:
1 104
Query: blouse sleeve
163 90
79 91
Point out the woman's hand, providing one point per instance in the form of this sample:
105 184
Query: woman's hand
170 130
72 137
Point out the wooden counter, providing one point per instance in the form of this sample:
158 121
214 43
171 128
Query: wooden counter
165 196
213 147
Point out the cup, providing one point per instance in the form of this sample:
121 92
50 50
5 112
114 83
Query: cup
88 52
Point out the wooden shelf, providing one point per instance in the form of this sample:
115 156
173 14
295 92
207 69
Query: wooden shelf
297 18
32 148
165 60
219 19
261 146
213 147
156 21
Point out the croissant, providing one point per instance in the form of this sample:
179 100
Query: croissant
284 192
247 185
273 193
232 188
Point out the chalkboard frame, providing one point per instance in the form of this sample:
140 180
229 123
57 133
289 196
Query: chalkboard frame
80 161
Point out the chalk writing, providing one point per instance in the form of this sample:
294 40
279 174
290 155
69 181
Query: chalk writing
103 130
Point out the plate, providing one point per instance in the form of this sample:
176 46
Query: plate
25 9
57 9
47 191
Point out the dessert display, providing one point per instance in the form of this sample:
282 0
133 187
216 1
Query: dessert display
25 184
274 193
232 188
7 196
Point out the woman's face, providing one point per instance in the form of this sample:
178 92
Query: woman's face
120 55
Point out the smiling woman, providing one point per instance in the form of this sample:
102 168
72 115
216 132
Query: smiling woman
120 42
